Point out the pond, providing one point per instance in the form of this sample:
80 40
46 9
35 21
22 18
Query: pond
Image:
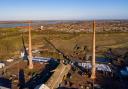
12 25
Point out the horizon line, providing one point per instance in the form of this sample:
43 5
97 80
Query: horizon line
61 19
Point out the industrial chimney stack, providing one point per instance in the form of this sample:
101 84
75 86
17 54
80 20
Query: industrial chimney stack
30 47
93 75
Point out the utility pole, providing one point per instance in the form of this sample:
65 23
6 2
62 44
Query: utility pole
93 75
30 47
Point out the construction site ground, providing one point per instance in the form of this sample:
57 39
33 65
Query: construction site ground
18 74
77 80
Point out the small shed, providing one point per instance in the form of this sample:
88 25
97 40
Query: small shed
2 65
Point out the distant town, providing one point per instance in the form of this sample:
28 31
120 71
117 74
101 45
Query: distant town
81 26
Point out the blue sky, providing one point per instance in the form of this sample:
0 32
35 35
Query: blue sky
63 9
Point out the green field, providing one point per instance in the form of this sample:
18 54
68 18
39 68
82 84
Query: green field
11 41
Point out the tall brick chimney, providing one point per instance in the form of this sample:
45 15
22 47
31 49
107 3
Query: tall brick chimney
93 75
30 47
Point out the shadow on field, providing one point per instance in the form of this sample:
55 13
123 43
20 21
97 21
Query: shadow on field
57 50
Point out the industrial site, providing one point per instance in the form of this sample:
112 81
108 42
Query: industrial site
63 44
35 57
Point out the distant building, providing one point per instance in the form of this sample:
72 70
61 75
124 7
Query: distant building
42 27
